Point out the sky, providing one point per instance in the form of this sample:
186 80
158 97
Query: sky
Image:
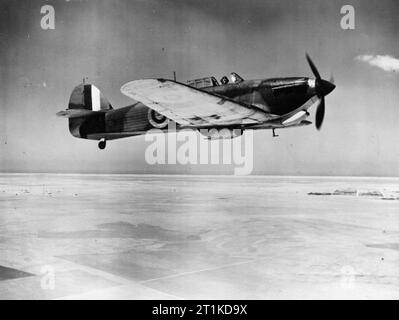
112 42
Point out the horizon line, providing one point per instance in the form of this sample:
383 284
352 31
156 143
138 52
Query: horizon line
198 175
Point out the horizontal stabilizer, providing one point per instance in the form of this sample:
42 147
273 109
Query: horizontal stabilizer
78 113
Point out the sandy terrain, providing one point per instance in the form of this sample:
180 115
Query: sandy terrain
181 237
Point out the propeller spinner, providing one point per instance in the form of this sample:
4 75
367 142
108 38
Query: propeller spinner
323 88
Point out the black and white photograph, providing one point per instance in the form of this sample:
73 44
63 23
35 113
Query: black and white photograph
188 150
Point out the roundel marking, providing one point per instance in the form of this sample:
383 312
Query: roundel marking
157 120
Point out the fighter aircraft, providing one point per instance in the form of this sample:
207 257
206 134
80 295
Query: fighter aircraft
234 104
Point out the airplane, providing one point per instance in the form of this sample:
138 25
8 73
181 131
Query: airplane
235 105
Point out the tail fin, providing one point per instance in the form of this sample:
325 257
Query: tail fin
85 99
89 97
86 111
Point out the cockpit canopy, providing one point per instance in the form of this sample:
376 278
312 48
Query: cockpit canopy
212 82
203 82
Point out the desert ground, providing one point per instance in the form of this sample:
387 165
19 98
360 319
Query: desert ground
194 237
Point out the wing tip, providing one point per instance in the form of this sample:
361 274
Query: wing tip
130 86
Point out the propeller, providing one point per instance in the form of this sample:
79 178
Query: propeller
323 88
321 109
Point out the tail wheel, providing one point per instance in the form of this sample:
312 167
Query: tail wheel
102 144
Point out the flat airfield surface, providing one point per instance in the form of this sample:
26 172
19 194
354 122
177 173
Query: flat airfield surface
193 237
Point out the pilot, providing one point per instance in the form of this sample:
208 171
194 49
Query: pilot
224 80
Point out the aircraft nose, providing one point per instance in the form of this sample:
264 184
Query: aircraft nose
325 87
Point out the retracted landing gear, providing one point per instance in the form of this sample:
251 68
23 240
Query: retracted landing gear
102 143
274 134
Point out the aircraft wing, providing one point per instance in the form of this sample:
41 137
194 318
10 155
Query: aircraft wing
191 107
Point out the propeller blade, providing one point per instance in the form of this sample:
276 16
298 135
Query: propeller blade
323 88
313 67
320 113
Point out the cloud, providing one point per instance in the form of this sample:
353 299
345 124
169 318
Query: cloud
387 63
